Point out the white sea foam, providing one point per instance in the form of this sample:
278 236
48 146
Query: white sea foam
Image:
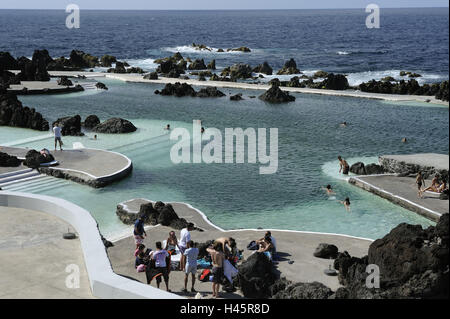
332 168
360 77
191 49
343 53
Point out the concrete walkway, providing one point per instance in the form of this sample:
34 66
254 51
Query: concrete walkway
403 191
34 257
138 78
85 165
292 246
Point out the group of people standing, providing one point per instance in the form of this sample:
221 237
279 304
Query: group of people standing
157 264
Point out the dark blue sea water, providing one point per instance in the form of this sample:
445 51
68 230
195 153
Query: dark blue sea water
310 138
332 40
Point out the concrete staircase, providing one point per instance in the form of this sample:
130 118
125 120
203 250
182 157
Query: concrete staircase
29 181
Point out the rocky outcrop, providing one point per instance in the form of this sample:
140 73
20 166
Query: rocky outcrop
263 68
238 71
172 66
442 93
79 59
312 290
335 82
91 121
36 69
108 60
9 160
154 214
115 126
411 87
178 89
236 97
392 165
12 113
240 49
119 68
7 62
373 169
71 125
64 81
211 65
151 76
34 159
326 251
413 263
101 86
276 95
209 92
360 169
256 276
182 89
198 64
290 67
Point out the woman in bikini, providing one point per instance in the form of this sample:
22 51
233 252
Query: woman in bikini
434 185
171 243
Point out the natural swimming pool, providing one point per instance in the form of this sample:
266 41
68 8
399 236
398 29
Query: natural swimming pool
236 195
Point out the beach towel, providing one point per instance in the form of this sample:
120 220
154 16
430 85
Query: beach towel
203 264
229 271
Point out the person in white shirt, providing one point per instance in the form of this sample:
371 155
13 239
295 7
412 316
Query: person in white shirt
185 237
57 133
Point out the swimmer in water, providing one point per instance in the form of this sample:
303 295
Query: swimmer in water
329 190
343 124
167 128
202 130
346 203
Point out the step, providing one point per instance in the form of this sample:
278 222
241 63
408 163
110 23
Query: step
32 183
18 176
20 180
15 173
38 188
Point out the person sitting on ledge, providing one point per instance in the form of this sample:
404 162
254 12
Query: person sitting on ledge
266 246
434 185
443 187
171 243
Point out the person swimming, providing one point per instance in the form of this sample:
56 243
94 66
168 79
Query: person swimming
346 203
329 190
167 128
343 124
202 130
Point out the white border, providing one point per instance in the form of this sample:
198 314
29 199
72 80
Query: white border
104 282
396 196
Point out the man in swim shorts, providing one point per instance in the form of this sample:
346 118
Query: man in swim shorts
343 166
57 133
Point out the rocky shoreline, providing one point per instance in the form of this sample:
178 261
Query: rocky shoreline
176 66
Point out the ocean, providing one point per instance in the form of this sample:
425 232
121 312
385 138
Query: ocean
310 138
331 40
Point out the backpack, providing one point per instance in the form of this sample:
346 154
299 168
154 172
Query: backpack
204 275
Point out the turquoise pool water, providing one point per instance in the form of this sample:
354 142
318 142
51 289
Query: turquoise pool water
236 195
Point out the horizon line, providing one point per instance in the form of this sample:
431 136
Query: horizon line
229 9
